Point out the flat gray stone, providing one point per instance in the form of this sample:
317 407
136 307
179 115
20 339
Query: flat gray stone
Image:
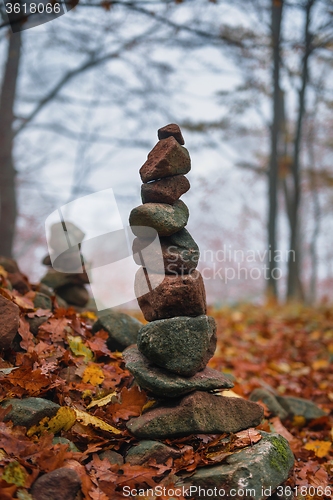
148 449
122 329
196 413
182 345
268 398
112 456
42 301
300 407
165 219
287 406
170 385
252 473
29 411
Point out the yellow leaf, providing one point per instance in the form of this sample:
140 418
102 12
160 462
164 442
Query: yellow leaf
64 419
3 272
93 374
320 364
228 394
320 448
86 419
79 348
14 473
103 401
299 421
89 314
148 405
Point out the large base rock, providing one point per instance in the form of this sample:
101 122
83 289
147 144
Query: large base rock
253 473
182 345
165 384
198 412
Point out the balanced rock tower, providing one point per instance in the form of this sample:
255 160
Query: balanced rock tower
174 347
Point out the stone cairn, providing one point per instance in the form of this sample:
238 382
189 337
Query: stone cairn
69 287
174 348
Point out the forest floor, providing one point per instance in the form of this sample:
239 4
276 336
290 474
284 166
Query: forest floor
289 349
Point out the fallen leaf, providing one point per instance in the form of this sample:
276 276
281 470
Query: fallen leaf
93 375
320 448
103 401
14 473
78 348
64 419
97 423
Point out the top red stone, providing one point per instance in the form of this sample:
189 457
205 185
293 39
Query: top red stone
171 130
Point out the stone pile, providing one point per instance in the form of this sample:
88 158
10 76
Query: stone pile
174 347
68 286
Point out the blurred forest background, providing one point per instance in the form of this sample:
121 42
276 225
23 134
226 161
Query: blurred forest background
249 82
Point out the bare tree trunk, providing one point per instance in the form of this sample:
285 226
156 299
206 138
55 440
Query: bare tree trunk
8 209
277 7
294 280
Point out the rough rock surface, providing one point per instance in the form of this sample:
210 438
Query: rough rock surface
287 406
76 295
171 130
29 411
42 301
112 456
170 385
60 484
299 406
182 295
270 401
122 329
253 473
9 322
148 449
198 412
180 253
181 345
167 158
8 264
62 440
54 279
166 190
165 219
36 322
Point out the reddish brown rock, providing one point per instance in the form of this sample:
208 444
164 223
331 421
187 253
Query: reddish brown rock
180 295
198 412
171 130
166 190
167 158
179 251
9 322
59 484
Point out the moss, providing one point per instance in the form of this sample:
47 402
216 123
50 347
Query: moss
279 458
